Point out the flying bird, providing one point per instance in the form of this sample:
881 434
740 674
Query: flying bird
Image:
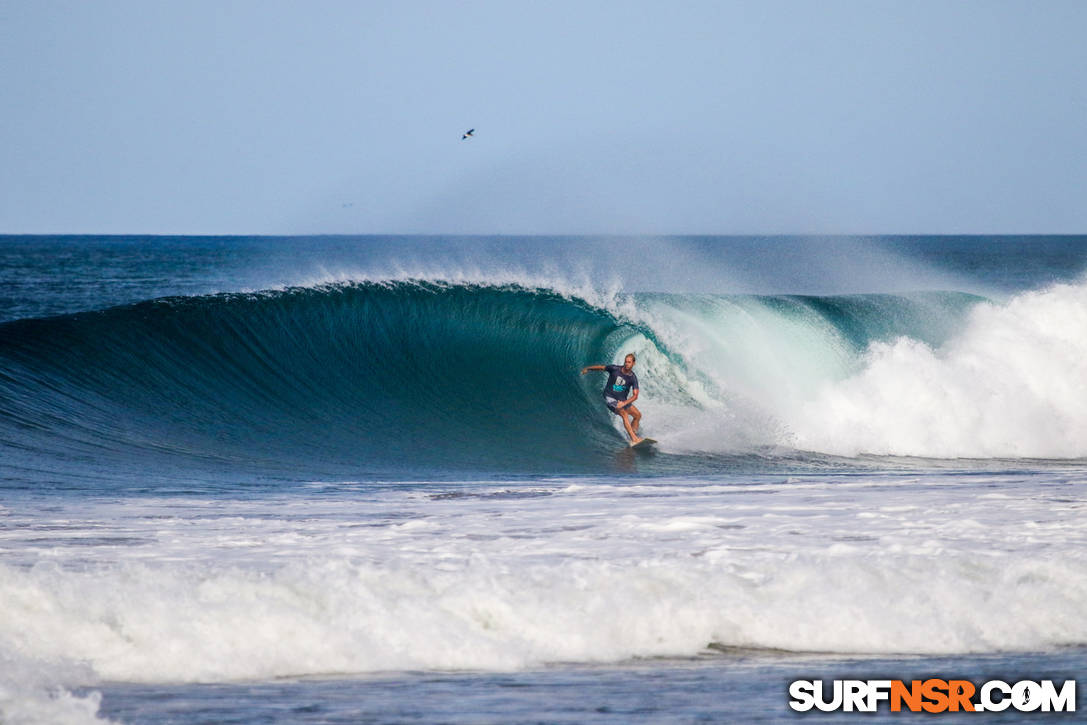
468 134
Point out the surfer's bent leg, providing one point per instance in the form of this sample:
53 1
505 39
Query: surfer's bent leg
635 416
625 415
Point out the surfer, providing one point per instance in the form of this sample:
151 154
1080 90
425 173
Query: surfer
621 382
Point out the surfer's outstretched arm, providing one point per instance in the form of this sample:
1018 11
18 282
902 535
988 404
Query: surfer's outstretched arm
591 367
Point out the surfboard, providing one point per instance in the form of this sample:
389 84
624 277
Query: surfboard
644 443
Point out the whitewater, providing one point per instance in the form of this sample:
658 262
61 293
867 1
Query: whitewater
252 473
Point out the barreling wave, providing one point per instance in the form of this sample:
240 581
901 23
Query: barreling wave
398 375
370 374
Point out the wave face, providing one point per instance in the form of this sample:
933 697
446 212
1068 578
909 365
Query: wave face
367 374
398 375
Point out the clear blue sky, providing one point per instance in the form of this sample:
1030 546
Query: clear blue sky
720 117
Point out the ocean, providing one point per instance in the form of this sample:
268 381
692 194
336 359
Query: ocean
360 479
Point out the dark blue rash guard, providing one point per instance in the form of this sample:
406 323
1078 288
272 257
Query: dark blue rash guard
619 383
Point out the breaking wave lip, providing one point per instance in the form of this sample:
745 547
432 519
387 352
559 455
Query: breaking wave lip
379 375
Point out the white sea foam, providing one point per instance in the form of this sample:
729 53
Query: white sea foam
31 693
141 623
1012 383
493 579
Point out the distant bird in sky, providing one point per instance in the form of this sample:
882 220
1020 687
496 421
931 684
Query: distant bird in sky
468 134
